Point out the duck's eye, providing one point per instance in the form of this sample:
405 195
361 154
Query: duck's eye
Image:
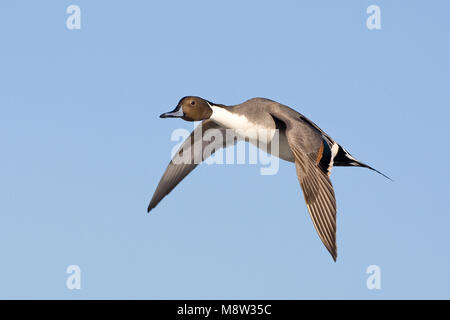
193 103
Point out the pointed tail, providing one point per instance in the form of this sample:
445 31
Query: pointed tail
344 159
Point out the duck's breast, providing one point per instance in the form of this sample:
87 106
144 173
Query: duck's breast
257 127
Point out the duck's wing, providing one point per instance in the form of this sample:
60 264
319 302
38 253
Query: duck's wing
192 152
306 145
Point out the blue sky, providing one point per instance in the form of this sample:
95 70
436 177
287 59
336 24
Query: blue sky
83 149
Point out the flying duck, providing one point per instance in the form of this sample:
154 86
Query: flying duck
300 141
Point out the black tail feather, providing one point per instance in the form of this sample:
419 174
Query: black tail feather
360 164
345 159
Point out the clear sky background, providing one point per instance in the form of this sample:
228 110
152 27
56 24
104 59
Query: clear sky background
83 148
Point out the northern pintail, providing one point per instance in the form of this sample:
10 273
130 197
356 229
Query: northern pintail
300 141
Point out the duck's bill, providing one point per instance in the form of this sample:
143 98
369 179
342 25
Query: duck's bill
176 113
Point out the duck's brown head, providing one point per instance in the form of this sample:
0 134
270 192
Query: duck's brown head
191 109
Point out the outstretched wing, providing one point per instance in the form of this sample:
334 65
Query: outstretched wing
190 154
320 199
306 145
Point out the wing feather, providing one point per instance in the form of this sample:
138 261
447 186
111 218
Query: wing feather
194 145
305 140
320 199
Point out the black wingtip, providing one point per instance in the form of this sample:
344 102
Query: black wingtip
152 205
333 252
334 256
